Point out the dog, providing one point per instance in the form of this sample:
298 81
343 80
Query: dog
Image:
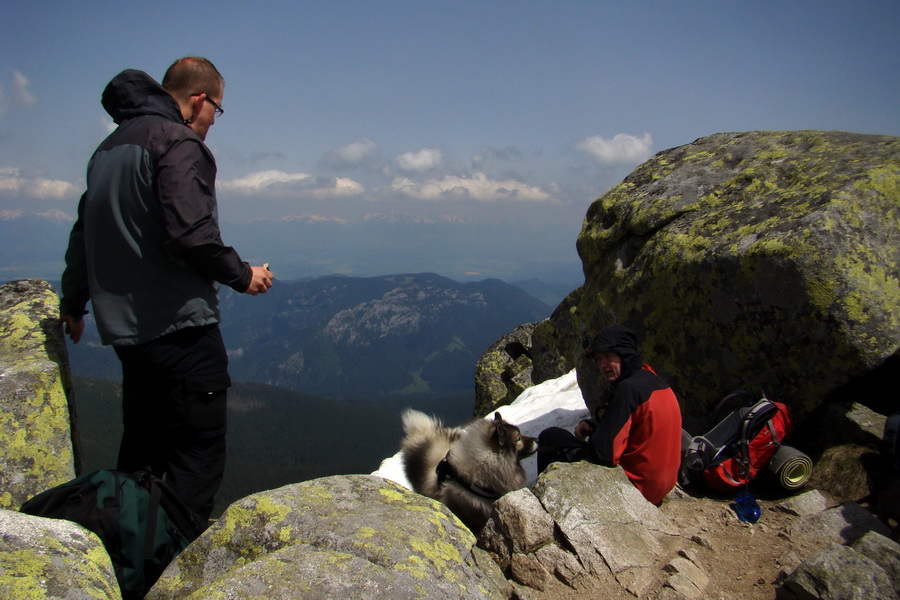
466 468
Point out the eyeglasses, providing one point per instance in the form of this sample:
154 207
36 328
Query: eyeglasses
218 109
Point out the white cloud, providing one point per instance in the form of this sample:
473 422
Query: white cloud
263 180
359 152
423 160
38 188
343 187
20 95
476 187
279 183
622 148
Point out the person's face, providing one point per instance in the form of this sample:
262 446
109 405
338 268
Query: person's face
204 107
610 365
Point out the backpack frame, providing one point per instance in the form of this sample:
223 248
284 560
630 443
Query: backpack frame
733 452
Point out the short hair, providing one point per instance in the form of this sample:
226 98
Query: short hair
193 75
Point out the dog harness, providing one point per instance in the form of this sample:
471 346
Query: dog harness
445 471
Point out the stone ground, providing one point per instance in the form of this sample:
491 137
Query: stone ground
742 561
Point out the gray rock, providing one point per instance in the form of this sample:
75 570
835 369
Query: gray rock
845 472
522 520
333 537
36 451
837 573
845 422
842 525
564 565
603 517
686 578
805 504
44 559
504 370
528 571
884 551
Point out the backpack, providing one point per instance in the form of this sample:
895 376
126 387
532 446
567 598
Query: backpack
744 442
139 519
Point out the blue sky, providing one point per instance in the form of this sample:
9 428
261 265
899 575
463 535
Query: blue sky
485 127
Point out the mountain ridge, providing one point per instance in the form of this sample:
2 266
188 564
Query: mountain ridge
356 337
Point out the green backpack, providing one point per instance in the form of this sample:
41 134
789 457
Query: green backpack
142 523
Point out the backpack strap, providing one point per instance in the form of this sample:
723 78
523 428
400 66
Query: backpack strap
763 409
152 517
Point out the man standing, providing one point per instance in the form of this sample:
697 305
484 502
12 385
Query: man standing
640 428
147 252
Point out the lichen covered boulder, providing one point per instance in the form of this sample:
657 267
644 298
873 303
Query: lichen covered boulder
504 370
52 558
334 537
766 260
36 450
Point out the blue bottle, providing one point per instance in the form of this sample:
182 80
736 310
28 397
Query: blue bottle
746 507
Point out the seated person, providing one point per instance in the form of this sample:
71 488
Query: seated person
640 428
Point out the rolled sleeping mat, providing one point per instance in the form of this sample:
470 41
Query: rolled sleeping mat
791 467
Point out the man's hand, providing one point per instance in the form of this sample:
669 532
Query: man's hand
73 327
584 430
260 281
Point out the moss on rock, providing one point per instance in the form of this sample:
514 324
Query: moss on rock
766 260
51 558
36 449
337 533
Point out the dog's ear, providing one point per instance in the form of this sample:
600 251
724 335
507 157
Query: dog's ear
504 432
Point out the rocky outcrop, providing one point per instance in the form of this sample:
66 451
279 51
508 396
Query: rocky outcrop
36 450
51 558
582 530
348 536
765 260
838 573
504 370
585 528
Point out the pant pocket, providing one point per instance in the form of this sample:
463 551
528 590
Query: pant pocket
206 403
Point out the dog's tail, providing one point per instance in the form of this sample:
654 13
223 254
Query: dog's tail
417 423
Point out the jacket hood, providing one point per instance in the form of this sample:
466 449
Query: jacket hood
622 341
133 93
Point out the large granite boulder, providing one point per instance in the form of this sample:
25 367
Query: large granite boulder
586 527
36 450
838 573
52 559
764 260
338 537
504 370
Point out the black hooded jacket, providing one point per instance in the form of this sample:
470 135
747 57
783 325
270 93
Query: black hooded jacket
641 426
146 249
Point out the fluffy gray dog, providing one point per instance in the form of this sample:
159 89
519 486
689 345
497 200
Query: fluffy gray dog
466 468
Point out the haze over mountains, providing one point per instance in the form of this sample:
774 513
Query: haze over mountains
465 248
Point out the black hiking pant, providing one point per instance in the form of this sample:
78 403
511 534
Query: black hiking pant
174 412
556 444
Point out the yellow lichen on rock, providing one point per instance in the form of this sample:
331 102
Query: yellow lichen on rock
36 449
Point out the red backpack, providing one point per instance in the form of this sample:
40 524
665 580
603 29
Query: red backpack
733 452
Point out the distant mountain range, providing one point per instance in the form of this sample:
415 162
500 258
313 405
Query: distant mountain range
357 337
351 337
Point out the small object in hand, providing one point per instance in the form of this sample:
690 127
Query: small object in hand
266 266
